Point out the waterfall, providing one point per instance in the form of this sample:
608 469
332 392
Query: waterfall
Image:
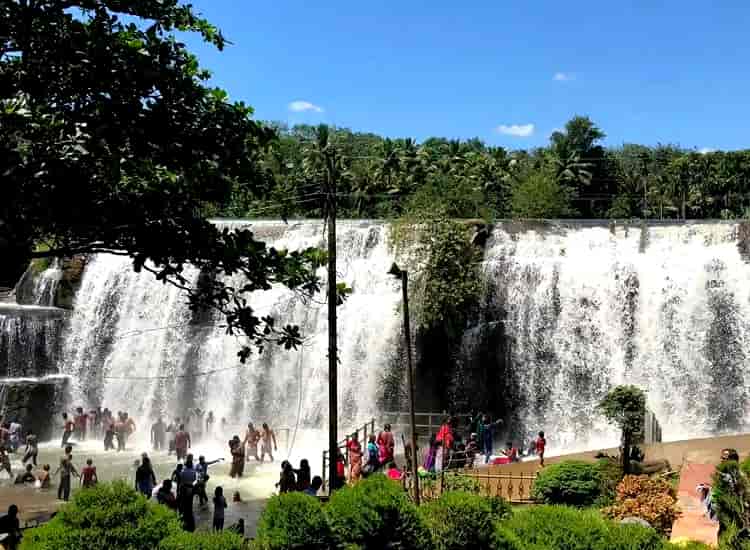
568 312
45 285
30 337
584 309
29 341
133 344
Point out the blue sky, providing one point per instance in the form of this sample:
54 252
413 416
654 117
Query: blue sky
509 72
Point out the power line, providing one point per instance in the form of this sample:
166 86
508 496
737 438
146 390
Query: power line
173 376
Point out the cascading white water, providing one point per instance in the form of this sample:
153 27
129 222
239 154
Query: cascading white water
584 309
45 285
127 330
28 342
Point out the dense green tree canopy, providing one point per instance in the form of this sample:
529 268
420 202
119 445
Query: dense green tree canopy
112 141
575 176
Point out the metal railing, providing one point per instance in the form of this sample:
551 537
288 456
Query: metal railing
365 429
427 424
513 487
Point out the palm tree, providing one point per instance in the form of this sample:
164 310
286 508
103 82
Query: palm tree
571 170
322 165
390 165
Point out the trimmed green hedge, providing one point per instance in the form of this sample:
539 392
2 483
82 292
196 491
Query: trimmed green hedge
564 528
223 540
108 516
375 514
571 482
293 520
462 521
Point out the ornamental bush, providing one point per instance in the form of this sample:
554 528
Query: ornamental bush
571 482
430 486
565 528
375 514
112 516
610 474
653 500
459 521
224 540
293 520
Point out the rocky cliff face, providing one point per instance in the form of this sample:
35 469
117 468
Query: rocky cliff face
51 282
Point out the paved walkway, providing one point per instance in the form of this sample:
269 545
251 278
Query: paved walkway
693 523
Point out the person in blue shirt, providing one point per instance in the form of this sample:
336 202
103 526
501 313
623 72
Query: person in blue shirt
315 485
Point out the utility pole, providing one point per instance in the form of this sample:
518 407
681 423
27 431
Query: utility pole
333 450
404 276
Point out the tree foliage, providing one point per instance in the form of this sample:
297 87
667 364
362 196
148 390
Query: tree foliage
538 195
625 406
574 176
111 140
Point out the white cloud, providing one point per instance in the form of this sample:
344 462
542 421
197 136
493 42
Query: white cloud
516 130
563 77
300 106
706 150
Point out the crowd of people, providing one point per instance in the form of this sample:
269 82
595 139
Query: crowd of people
115 429
454 447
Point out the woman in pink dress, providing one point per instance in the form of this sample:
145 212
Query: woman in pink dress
355 458
386 445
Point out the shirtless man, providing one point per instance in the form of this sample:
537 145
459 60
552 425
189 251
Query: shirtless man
210 420
181 442
267 437
68 427
158 435
251 441
32 448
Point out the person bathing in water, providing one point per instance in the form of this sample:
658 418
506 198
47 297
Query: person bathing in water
181 442
68 427
252 437
267 437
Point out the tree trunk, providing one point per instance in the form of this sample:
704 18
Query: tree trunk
684 206
625 453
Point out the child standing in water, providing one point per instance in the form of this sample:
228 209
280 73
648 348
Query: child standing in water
220 504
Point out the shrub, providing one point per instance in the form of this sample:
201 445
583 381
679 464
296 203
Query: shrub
504 539
653 500
293 520
460 482
501 508
733 538
570 482
112 516
610 474
430 485
224 540
687 545
564 528
460 520
729 495
374 514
